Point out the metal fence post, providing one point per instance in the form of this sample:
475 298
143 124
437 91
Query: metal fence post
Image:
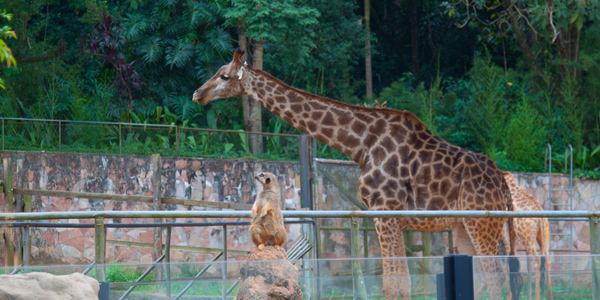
120 139
224 268
360 291
59 136
156 206
168 261
103 293
304 142
8 207
177 140
2 134
440 285
100 248
26 248
595 251
458 277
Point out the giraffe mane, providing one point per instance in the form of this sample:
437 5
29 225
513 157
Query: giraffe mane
406 114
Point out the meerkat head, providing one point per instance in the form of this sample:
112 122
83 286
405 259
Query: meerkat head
268 180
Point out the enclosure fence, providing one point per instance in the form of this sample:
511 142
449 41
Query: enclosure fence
101 216
141 139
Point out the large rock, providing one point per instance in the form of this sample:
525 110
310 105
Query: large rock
277 280
44 286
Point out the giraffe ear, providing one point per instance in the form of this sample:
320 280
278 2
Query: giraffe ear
240 72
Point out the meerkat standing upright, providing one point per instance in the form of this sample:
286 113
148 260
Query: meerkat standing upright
266 228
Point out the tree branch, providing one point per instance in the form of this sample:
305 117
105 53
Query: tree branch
60 50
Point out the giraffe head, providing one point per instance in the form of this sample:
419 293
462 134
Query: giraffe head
226 83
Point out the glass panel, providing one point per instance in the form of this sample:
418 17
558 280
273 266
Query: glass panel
570 275
330 279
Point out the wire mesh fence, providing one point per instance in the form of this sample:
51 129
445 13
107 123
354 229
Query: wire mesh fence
143 139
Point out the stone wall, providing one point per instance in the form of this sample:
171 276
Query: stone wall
197 179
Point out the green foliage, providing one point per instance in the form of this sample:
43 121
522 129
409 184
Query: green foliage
5 53
525 136
274 21
487 108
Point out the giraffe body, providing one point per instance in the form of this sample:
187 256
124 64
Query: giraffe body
404 166
531 232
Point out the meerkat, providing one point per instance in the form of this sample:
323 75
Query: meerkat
266 228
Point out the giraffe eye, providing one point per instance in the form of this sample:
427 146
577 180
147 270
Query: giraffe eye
225 77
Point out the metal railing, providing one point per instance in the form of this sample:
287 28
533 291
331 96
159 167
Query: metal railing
100 216
166 256
141 139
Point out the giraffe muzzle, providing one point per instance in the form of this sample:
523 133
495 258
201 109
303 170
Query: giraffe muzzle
198 98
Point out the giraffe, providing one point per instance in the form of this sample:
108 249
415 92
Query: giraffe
404 166
531 231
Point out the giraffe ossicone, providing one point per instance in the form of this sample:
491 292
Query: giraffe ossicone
404 167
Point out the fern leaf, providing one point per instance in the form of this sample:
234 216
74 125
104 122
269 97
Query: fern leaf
134 25
175 27
219 39
198 13
152 50
179 54
168 3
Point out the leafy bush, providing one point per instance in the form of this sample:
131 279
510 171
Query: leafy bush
525 136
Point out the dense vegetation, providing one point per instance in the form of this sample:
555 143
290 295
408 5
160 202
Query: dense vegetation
503 78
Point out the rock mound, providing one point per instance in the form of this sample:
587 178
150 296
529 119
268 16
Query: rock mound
261 279
44 286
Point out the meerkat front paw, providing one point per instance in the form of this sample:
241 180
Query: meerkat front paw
261 246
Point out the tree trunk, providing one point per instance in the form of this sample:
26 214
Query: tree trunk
243 45
368 71
530 58
255 107
414 36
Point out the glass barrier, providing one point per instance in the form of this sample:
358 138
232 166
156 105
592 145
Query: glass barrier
570 276
315 279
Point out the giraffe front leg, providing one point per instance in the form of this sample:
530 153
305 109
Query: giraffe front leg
396 278
485 243
463 245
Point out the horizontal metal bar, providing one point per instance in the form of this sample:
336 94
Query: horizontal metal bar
119 197
297 214
367 228
69 194
336 161
569 219
136 225
89 122
244 132
561 189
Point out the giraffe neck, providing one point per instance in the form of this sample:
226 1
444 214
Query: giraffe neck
326 121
